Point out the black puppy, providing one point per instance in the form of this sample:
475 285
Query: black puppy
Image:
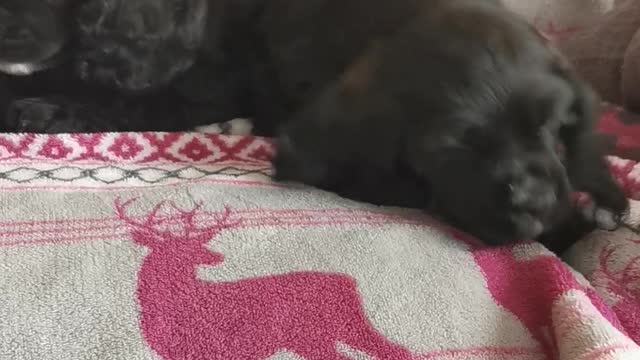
128 65
460 107
37 84
140 46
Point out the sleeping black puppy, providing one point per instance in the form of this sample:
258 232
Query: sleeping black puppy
462 109
125 65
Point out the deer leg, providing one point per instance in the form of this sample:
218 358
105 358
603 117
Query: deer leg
327 352
328 356
371 342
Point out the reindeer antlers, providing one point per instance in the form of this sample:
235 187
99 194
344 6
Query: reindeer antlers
187 218
121 212
148 224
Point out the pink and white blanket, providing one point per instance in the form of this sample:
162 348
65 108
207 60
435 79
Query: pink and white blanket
178 247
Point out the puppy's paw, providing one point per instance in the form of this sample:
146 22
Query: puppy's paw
604 219
34 115
237 126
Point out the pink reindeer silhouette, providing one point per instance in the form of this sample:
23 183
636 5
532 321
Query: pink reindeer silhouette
182 317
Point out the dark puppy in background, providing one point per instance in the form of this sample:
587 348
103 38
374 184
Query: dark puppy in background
205 51
39 90
127 65
461 108
143 46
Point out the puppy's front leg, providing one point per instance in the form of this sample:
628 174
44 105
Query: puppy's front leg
105 113
60 114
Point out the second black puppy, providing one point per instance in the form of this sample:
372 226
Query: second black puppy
130 65
462 109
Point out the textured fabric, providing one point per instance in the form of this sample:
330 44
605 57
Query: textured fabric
600 37
610 261
186 250
620 130
560 18
607 54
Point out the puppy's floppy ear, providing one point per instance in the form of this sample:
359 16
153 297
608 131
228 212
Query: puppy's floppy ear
585 154
585 102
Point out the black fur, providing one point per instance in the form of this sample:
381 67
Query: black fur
127 65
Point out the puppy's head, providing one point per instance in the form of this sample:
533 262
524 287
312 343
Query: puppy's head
499 146
475 104
501 170
33 34
138 45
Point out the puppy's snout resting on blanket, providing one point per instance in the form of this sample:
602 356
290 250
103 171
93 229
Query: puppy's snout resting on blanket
476 108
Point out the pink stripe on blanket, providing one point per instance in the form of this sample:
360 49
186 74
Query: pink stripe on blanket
109 188
31 233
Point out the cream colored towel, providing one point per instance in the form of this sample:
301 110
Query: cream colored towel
179 247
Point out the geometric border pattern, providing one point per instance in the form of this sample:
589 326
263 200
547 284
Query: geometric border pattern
136 148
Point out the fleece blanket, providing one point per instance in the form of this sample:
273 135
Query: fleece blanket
179 247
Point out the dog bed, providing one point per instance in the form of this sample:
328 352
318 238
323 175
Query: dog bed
178 246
